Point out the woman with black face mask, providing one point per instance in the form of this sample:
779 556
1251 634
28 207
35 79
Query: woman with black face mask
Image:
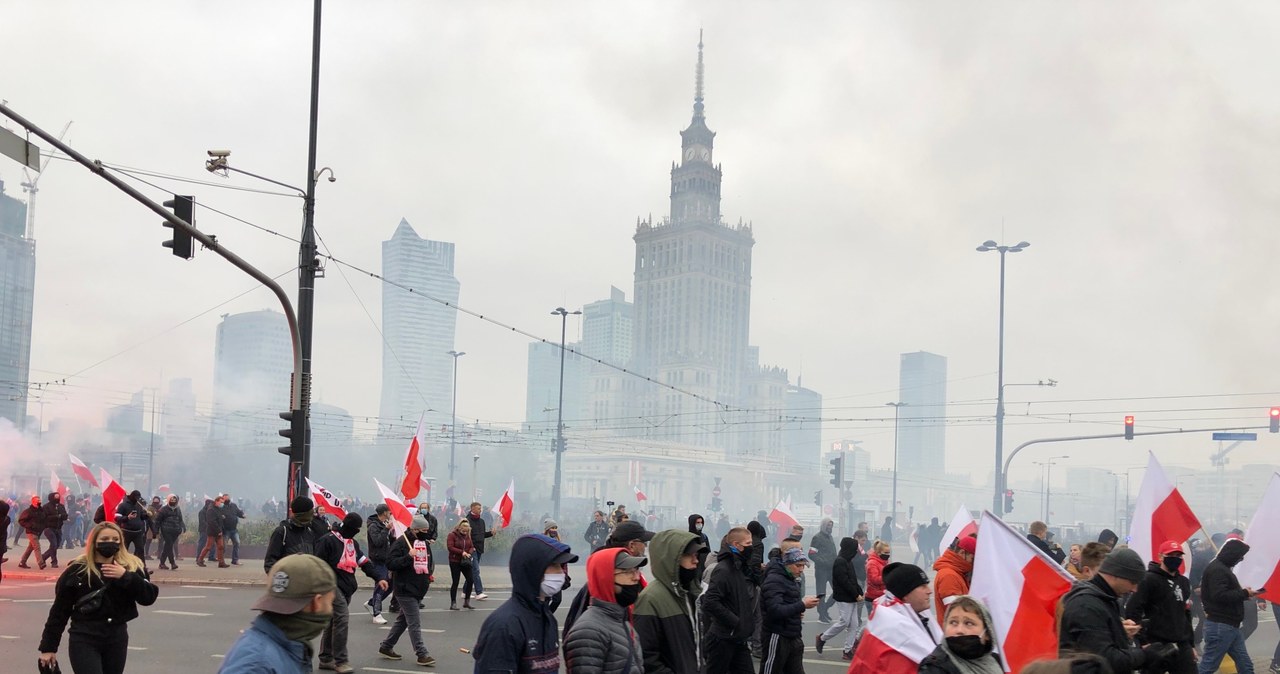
98 593
969 642
602 640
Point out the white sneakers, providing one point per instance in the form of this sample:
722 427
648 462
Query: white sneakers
379 620
481 597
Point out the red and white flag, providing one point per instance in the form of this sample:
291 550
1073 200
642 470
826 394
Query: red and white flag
412 482
894 641
1160 514
112 495
425 485
1261 567
82 471
505 506
639 494
401 518
1021 586
961 525
781 514
164 487
58 486
326 498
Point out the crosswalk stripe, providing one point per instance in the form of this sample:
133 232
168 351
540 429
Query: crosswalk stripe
198 615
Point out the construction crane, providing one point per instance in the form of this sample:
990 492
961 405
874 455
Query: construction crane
29 186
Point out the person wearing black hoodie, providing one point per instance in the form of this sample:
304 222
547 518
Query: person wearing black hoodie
1091 620
1108 538
783 610
132 516
755 575
341 551
1162 604
521 636
728 603
32 521
298 534
55 515
409 558
822 549
845 593
696 526
1223 600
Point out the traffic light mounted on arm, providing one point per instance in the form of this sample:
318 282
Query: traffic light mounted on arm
1128 427
181 244
1275 419
837 472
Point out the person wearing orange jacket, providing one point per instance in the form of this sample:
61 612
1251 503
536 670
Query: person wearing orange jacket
880 552
953 570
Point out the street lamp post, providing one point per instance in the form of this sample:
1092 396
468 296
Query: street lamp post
893 507
997 504
453 416
1048 464
556 486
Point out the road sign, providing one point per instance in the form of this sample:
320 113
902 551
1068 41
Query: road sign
716 491
18 148
1235 436
827 509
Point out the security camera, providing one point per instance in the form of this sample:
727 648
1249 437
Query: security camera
219 154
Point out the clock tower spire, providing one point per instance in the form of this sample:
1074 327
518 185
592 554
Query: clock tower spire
695 181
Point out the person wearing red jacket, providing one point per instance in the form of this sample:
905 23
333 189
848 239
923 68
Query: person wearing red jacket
953 570
880 552
461 548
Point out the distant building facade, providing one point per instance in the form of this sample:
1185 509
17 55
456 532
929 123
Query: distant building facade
17 294
922 385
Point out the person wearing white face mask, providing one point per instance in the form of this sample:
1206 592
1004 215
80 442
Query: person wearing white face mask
522 634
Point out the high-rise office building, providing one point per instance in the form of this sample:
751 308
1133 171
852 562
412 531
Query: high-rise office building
252 374
606 328
17 292
922 385
418 333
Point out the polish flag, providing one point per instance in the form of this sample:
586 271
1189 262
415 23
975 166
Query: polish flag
326 498
894 641
82 471
961 525
781 514
425 485
112 495
58 486
401 518
1160 514
504 507
413 463
1021 586
1261 567
164 487
639 494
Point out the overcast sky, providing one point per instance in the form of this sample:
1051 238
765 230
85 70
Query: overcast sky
873 146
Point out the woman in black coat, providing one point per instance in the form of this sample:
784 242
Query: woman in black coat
99 639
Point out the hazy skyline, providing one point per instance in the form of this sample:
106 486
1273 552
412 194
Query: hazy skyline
872 145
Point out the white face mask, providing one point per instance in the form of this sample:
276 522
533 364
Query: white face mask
698 526
551 584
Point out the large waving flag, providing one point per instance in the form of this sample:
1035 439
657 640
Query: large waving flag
639 494
894 641
82 471
401 518
58 486
961 525
1021 586
112 495
505 506
1261 567
412 482
781 515
1160 514
326 498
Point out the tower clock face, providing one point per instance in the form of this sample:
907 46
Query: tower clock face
697 152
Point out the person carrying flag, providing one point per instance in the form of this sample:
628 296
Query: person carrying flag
901 632
341 551
409 558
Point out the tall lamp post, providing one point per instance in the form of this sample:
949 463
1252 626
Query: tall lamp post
556 487
893 507
453 416
1048 480
997 504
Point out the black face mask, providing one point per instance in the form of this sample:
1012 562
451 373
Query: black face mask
885 557
1173 563
108 550
423 535
625 595
969 646
687 576
348 532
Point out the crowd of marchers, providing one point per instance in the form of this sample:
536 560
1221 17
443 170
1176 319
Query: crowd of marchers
686 600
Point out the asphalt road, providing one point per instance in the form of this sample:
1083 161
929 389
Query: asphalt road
195 625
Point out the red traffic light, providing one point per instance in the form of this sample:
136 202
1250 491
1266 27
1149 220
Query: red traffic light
1128 427
1275 411
1128 421
1275 420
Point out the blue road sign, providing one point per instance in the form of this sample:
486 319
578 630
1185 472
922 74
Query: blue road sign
1235 436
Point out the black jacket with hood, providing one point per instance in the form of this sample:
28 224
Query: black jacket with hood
169 521
1091 623
824 547
755 565
666 614
702 535
521 635
132 504
406 581
379 540
844 580
55 514
1220 591
330 548
781 606
729 598
1165 601
32 520
294 535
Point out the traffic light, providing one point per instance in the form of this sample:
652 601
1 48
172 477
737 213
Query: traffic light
181 243
715 504
817 498
297 426
837 471
1128 427
1008 500
1275 419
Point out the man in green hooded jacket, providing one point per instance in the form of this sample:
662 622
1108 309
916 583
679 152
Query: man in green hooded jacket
666 613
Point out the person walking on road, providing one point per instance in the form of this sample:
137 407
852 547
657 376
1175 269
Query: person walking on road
1091 620
846 593
823 553
215 526
132 516
461 548
298 534
169 522
295 608
666 614
55 515
783 609
479 532
409 559
32 521
952 572
1223 600
603 640
597 532
1162 605
342 553
99 593
153 529
522 634
378 539
729 603
232 514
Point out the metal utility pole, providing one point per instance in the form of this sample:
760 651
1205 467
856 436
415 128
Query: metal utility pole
556 487
997 506
893 507
151 450
453 419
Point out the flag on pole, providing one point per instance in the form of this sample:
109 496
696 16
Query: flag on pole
112 495
1261 567
82 471
425 485
894 641
781 514
1021 586
505 505
326 498
57 485
1160 514
401 518
411 484
961 525
639 494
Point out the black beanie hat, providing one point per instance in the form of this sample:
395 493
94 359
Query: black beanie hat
302 504
901 578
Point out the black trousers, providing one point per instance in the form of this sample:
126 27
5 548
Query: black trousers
721 656
464 569
822 573
1184 662
98 653
135 539
782 655
169 542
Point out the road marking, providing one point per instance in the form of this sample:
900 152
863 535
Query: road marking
137 648
423 629
188 596
204 587
32 601
380 669
217 655
829 663
199 615
8 636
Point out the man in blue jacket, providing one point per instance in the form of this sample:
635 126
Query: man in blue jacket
295 609
522 636
783 614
